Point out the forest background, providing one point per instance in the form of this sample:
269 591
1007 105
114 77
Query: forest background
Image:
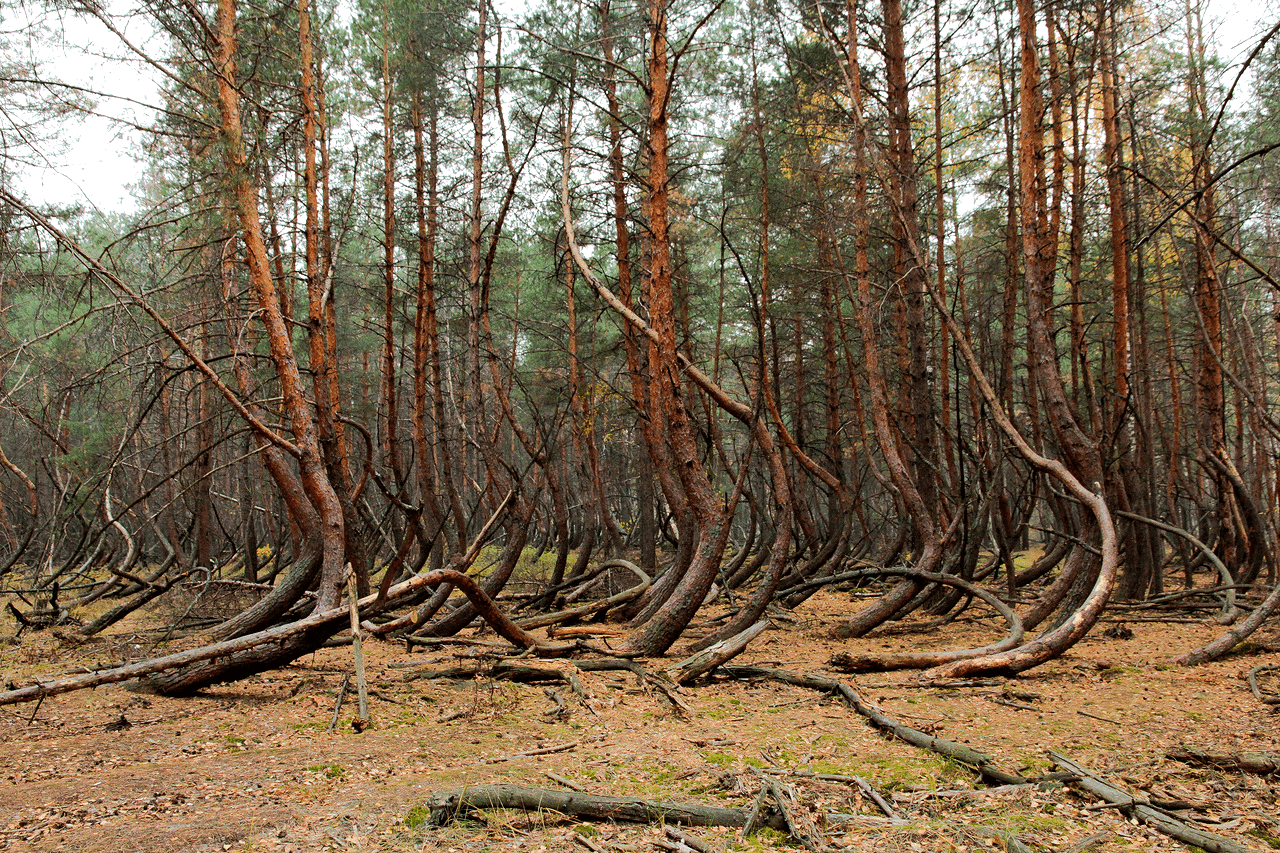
752 295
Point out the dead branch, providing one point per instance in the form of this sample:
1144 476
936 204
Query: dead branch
502 669
862 785
881 803
680 837
337 706
1264 763
1145 812
357 646
799 826
587 609
561 710
1229 610
115 614
583 631
1229 640
978 761
418 615
472 642
529 753
658 682
568 783
1088 842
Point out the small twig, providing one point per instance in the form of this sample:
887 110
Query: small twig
1096 717
568 783
1085 843
35 710
546 750
676 834
588 843
342 694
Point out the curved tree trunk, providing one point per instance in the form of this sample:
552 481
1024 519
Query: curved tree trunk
243 201
1083 460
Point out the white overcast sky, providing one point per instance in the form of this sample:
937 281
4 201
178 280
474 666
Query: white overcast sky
92 159
98 161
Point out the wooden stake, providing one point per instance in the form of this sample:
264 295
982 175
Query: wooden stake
337 706
362 685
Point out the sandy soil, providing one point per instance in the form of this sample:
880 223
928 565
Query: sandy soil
254 767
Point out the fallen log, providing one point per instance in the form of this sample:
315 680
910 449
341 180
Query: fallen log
302 635
504 670
453 805
1264 763
974 759
1146 813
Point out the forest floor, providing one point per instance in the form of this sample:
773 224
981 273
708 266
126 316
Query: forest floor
253 766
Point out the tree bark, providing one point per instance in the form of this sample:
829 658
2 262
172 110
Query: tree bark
243 201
